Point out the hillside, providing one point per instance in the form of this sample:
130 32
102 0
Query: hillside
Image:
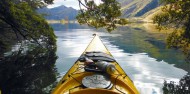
58 13
150 14
137 8
129 8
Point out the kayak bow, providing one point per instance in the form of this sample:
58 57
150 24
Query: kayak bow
100 75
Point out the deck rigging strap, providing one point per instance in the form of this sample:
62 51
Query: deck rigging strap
96 80
109 84
96 55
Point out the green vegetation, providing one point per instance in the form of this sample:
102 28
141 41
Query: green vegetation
176 14
20 17
21 21
28 71
105 15
63 21
181 88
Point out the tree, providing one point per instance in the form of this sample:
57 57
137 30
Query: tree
28 71
183 87
176 14
35 4
22 19
105 15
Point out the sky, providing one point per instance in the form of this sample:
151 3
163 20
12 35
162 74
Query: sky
67 3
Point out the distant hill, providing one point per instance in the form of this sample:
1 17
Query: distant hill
129 8
147 17
58 13
137 8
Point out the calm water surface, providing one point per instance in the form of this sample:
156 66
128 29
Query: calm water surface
143 55
140 52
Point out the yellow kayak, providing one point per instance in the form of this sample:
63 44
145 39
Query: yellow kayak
95 72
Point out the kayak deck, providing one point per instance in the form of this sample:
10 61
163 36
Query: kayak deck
73 80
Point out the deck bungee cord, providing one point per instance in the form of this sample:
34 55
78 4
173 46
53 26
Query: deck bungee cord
77 71
95 71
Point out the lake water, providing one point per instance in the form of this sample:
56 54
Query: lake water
142 54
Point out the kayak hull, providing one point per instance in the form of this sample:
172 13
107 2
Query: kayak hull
72 80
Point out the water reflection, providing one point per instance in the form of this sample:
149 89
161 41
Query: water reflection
69 26
28 69
147 73
142 55
69 47
181 87
153 44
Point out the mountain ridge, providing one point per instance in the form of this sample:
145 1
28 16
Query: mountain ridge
137 8
129 8
59 13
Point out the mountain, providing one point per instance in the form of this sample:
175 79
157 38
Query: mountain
147 17
129 8
137 8
58 13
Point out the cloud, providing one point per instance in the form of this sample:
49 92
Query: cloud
68 3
